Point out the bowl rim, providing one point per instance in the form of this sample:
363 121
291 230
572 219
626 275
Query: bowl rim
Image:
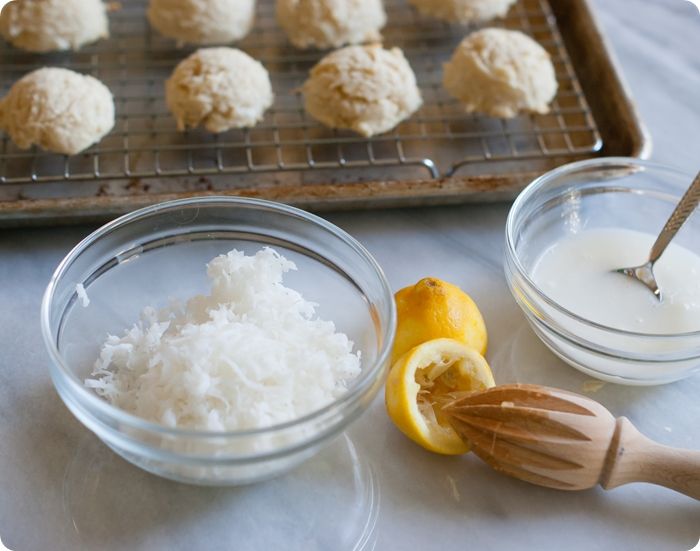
365 381
535 186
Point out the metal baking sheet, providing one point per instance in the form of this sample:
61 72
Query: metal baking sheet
439 155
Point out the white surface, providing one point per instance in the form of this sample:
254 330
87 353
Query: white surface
61 489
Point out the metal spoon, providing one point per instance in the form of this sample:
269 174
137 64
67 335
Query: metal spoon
686 206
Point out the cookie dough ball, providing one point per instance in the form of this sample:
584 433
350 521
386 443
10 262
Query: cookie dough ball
501 73
58 110
219 88
363 88
202 21
463 11
330 23
52 25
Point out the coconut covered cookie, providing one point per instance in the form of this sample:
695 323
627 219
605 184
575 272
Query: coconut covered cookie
202 21
59 110
218 88
363 88
463 11
501 73
53 25
330 23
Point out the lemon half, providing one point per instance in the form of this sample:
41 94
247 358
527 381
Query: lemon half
420 377
432 309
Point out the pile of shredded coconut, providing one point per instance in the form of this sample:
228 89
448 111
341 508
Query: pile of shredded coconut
251 354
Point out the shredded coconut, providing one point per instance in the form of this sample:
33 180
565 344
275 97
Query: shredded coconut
592 385
82 295
250 354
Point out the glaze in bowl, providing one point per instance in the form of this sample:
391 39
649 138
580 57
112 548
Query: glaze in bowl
612 192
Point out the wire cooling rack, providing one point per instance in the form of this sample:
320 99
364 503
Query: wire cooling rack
146 154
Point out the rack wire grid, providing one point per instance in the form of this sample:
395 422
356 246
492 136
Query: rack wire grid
145 153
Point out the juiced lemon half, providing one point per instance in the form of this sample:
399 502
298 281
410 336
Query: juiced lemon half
420 377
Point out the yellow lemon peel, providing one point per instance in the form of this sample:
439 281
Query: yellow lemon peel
433 309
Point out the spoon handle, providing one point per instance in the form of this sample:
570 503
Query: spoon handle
632 457
680 214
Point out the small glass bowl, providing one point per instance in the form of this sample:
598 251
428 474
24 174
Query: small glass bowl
157 254
599 193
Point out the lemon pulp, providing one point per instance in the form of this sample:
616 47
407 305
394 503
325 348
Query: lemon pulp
424 375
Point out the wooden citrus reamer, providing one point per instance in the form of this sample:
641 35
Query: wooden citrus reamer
563 440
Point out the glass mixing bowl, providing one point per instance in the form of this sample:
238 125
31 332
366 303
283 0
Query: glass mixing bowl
599 193
157 254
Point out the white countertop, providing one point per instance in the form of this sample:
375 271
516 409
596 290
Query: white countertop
61 489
